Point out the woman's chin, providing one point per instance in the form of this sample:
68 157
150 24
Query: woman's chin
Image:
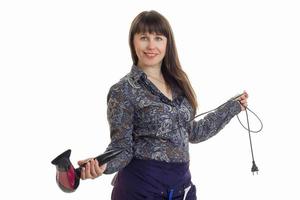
151 63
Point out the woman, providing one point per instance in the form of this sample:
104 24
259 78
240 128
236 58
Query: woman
148 110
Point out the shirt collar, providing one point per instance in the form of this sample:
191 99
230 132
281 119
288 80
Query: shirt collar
136 73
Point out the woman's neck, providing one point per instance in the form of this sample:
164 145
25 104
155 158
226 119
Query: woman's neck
152 71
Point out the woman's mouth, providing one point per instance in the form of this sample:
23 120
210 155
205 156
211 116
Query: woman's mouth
150 55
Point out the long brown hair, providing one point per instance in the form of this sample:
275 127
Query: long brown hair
154 22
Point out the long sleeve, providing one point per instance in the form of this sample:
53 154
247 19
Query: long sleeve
213 122
120 113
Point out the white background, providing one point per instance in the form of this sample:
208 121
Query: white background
58 60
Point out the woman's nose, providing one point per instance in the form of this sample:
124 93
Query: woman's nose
151 44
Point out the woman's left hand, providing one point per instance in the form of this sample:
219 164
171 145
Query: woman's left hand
243 100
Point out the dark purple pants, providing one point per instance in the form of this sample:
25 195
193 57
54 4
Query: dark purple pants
153 180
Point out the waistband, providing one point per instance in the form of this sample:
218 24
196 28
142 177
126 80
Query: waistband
154 177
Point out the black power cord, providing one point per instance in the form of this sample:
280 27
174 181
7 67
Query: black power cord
254 167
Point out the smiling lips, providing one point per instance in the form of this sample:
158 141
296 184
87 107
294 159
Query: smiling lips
150 54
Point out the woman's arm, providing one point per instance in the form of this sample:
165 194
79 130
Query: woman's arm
120 114
213 122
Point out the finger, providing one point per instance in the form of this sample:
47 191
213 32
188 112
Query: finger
81 162
93 171
82 173
98 169
243 101
245 105
88 170
244 96
243 108
103 168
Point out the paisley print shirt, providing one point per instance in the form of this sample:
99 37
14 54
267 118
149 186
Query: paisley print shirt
148 125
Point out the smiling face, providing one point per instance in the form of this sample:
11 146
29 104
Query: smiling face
150 49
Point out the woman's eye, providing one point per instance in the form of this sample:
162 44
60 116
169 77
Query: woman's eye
158 38
143 38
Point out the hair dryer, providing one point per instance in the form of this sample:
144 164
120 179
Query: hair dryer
67 177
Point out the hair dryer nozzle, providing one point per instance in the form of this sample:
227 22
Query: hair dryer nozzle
67 177
60 160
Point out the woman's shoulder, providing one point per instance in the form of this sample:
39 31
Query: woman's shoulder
122 87
122 84
128 85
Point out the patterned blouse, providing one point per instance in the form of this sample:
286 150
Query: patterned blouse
148 125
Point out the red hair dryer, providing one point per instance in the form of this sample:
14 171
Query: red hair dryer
67 177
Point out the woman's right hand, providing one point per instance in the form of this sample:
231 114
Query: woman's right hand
243 100
92 169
